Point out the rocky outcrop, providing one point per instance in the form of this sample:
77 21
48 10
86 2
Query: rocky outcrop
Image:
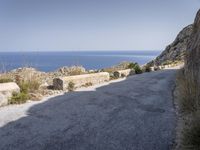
192 64
62 83
6 91
176 51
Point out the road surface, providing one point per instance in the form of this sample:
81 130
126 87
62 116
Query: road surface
134 114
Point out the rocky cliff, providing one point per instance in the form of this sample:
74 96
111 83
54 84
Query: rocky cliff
176 51
192 63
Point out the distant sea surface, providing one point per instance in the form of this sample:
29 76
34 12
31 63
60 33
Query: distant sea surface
50 61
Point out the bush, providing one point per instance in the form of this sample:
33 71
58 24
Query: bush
33 85
123 75
5 80
136 67
25 88
116 74
29 86
19 98
71 86
147 68
88 84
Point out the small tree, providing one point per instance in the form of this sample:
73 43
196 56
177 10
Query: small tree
71 86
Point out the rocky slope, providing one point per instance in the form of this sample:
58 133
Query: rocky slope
192 65
188 83
176 50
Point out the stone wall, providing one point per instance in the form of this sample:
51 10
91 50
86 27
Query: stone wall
6 90
80 80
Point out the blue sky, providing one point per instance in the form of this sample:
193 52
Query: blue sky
45 25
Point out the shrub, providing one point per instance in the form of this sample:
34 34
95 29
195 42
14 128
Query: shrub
71 86
123 75
24 87
29 86
19 98
116 74
33 85
5 80
131 65
136 67
146 68
88 84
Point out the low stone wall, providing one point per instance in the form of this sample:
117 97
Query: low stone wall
6 90
123 73
80 80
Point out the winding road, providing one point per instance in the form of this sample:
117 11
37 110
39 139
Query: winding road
134 114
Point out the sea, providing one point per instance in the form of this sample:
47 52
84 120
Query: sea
91 60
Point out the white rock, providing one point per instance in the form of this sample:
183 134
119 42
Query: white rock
6 90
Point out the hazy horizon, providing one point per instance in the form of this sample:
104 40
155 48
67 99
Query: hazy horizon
58 25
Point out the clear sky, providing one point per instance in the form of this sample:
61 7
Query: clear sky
39 25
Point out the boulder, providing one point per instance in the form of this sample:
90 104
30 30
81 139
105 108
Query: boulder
6 91
80 80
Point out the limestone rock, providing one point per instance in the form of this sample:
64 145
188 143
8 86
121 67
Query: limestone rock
80 80
6 90
192 65
175 51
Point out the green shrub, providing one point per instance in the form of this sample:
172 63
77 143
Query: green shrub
71 86
136 67
5 80
132 65
29 86
24 87
123 75
19 98
147 68
116 74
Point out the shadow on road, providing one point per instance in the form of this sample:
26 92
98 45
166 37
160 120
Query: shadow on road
135 114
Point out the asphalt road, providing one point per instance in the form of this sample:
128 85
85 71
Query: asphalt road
134 114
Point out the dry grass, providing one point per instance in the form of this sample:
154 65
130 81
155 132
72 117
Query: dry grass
189 110
189 100
5 80
26 87
191 133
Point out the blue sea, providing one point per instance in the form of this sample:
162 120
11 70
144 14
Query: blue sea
51 61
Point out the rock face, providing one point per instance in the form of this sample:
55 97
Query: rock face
62 83
175 51
192 64
6 90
